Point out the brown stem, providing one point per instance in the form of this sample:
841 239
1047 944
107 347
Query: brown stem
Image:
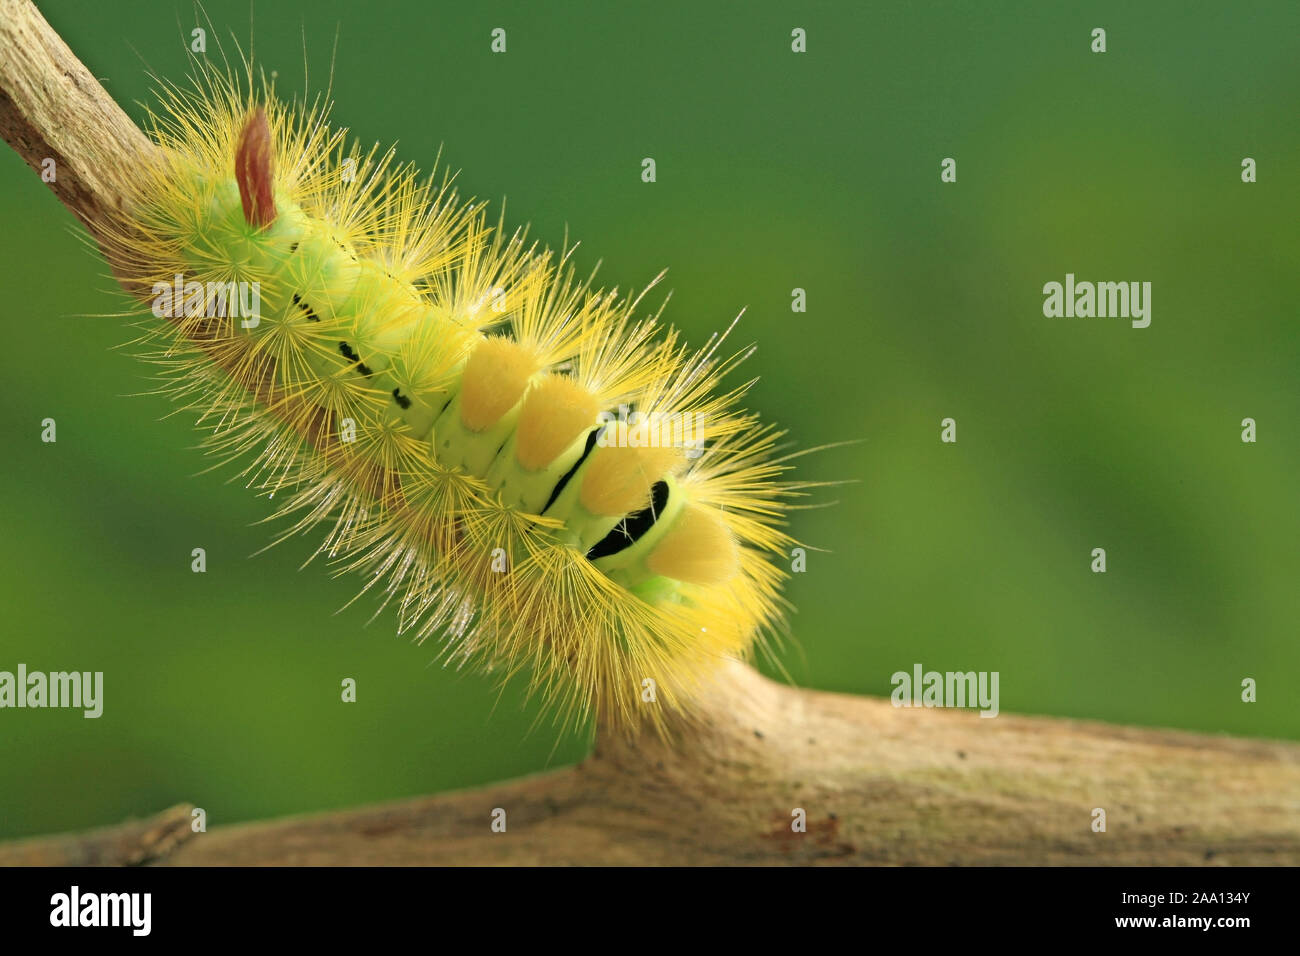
52 108
878 784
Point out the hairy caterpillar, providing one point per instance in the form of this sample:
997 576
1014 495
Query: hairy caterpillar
439 394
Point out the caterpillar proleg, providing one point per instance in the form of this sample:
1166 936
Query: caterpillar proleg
523 465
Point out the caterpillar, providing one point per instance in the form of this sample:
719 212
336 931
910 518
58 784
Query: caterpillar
505 452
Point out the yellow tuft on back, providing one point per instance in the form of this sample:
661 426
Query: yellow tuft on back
554 414
618 480
495 377
698 549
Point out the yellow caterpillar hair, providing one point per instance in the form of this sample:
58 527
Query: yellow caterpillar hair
508 453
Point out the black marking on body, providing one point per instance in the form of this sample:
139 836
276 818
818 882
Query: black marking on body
352 356
311 313
293 247
401 399
564 479
632 528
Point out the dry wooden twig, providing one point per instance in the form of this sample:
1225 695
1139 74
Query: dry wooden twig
878 784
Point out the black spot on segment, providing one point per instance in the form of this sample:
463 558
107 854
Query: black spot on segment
401 399
630 530
311 315
564 479
293 247
352 356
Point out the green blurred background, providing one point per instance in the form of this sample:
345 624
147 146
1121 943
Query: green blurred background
775 171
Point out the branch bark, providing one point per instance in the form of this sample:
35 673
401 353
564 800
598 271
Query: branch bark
51 107
878 784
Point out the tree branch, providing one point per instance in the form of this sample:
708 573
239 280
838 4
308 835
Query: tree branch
52 108
878 784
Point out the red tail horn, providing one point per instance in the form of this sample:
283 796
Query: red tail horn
253 171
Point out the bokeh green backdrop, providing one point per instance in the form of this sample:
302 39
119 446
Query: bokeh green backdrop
775 171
